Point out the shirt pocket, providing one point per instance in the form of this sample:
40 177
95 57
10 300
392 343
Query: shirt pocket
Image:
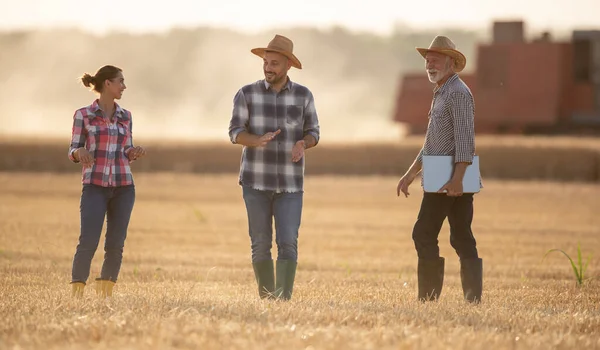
96 128
437 109
122 130
294 115
123 135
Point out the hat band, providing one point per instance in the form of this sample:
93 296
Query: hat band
278 48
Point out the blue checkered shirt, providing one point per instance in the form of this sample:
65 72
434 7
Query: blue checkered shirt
451 127
450 130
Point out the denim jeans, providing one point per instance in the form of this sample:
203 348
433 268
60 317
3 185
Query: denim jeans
262 207
435 207
97 202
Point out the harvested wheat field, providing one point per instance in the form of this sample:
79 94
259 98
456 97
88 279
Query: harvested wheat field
187 281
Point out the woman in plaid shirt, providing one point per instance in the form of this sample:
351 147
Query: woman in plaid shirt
102 143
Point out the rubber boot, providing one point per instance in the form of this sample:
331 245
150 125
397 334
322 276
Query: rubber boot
77 289
430 274
104 288
98 286
108 288
471 277
265 278
286 273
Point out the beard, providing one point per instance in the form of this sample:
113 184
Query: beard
436 75
273 78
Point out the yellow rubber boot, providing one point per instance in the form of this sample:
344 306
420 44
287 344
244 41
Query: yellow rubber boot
99 284
108 288
104 288
77 289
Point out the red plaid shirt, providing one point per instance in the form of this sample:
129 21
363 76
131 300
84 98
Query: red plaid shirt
109 144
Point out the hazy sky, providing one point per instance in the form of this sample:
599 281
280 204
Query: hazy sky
255 15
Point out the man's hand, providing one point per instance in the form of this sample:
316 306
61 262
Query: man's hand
298 151
404 182
84 156
135 153
453 188
266 138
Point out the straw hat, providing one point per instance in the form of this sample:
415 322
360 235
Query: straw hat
282 45
444 45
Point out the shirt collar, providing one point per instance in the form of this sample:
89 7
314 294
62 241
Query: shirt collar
95 108
452 78
287 86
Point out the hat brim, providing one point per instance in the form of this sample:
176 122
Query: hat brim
260 52
459 59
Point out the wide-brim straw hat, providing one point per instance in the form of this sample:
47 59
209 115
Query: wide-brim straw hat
282 45
444 45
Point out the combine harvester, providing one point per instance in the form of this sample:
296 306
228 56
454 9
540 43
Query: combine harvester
520 87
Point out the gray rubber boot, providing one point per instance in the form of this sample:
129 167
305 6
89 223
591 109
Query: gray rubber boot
471 277
430 273
265 278
286 273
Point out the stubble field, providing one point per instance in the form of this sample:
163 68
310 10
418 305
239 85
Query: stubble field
187 281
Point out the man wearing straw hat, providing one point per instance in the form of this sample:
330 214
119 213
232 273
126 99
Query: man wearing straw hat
450 132
275 121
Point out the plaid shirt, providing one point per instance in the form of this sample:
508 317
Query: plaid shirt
258 109
451 129
107 143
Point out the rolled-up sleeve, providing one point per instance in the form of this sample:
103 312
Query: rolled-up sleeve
78 135
240 116
462 111
129 144
419 158
311 119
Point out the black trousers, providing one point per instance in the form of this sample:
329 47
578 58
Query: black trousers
435 207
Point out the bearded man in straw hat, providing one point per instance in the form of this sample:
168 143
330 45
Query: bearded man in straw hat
450 132
275 121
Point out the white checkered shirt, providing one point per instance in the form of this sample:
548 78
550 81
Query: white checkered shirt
450 130
258 109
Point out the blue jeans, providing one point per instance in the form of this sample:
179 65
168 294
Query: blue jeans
116 203
262 207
